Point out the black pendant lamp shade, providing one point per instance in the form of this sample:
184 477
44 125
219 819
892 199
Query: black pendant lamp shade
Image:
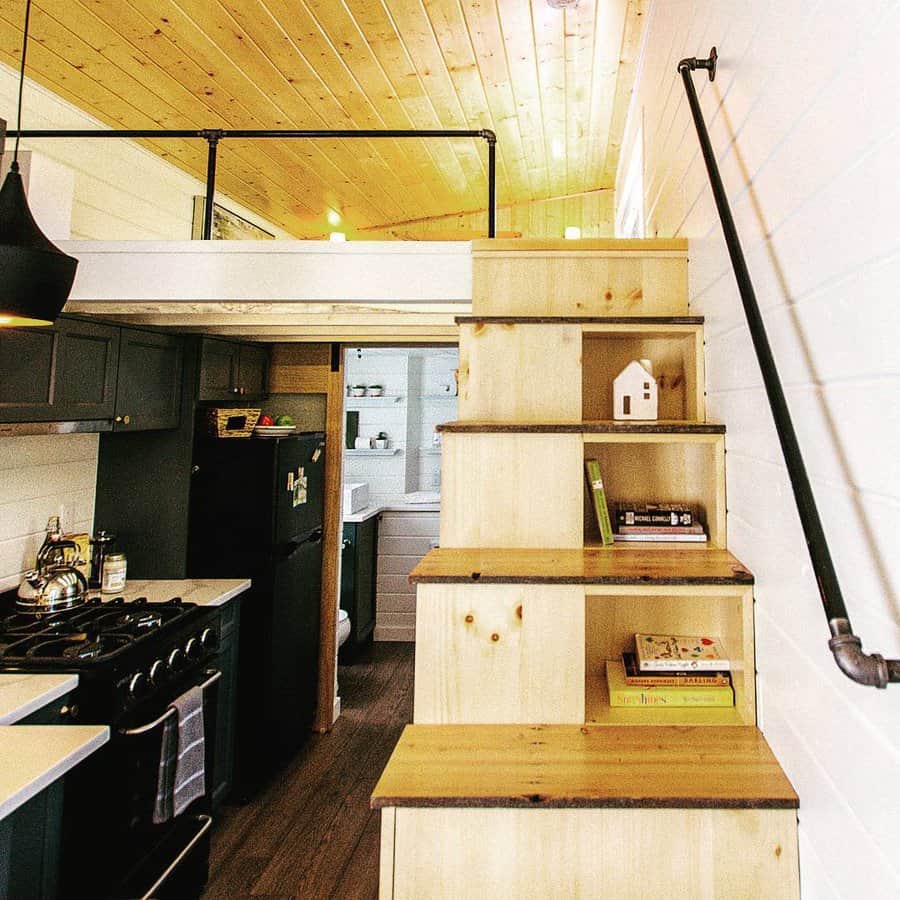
35 276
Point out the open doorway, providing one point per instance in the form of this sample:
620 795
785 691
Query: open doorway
395 397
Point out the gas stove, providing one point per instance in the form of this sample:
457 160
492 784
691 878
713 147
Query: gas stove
126 652
133 659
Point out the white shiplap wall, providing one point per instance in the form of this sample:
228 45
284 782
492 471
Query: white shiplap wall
403 539
803 118
42 476
122 192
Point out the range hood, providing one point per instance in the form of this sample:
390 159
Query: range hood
88 426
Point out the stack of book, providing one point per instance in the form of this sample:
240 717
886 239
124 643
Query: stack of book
657 522
671 671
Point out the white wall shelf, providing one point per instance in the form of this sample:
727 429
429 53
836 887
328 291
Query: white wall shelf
386 400
390 451
429 451
440 397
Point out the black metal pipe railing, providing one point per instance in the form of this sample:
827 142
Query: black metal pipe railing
213 136
865 668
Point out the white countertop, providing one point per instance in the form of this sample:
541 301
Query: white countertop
203 592
401 504
22 694
34 756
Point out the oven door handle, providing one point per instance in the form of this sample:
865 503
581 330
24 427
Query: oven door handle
143 729
205 822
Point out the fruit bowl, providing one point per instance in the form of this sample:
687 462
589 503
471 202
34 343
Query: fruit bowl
270 431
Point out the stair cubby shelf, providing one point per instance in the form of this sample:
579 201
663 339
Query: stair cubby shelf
675 352
646 468
614 614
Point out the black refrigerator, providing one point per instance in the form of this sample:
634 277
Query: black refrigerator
256 512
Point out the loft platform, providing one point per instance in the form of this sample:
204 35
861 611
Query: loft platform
617 565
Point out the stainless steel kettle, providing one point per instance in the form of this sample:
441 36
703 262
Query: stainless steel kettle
54 586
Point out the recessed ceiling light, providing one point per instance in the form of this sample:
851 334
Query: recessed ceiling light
334 217
562 4
572 233
337 236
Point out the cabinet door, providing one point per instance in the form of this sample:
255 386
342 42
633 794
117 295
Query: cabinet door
86 365
366 548
218 371
253 380
149 383
64 371
27 366
227 663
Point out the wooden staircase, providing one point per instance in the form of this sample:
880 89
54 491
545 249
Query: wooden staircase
517 778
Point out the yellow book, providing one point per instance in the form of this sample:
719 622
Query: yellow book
623 694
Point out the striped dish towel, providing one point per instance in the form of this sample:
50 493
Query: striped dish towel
182 776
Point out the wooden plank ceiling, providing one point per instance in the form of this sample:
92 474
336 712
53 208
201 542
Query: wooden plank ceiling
553 84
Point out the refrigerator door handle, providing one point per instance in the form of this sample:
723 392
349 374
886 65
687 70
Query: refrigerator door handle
290 549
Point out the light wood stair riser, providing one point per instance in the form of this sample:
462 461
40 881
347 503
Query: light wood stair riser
526 489
580 278
524 372
701 854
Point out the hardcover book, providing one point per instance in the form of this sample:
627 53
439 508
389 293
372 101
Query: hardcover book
667 652
634 677
659 537
598 498
623 694
654 514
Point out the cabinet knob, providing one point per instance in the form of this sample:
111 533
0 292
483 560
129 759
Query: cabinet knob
346 544
235 390
124 420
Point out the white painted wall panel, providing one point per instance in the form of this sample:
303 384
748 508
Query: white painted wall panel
806 132
43 476
122 191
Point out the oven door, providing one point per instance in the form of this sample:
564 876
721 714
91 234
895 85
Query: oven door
112 846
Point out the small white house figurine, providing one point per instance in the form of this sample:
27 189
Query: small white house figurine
635 393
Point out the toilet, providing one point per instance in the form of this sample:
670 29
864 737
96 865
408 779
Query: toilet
343 626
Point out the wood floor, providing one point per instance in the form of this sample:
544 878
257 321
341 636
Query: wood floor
311 834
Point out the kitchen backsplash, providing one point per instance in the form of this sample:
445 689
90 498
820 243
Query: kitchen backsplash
42 476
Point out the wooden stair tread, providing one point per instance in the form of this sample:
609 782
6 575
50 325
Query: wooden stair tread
579 320
572 766
635 246
626 564
598 426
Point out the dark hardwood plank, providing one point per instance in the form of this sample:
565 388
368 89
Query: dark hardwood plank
311 834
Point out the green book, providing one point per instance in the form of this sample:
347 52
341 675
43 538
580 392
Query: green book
598 496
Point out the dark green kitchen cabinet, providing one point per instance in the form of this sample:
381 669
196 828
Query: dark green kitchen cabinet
358 574
61 372
231 371
148 392
226 704
29 861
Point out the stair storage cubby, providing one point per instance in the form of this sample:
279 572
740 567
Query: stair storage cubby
669 467
675 350
614 614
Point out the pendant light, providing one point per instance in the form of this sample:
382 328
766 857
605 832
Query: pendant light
35 276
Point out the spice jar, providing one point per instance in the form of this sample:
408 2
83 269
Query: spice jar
114 568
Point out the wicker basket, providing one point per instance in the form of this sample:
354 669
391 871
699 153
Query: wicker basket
232 423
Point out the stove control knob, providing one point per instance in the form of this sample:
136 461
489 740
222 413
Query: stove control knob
138 685
157 672
193 649
208 639
177 659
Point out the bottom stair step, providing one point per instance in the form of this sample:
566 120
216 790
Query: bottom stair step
483 811
727 767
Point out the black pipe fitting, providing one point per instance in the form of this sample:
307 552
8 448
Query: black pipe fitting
870 669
